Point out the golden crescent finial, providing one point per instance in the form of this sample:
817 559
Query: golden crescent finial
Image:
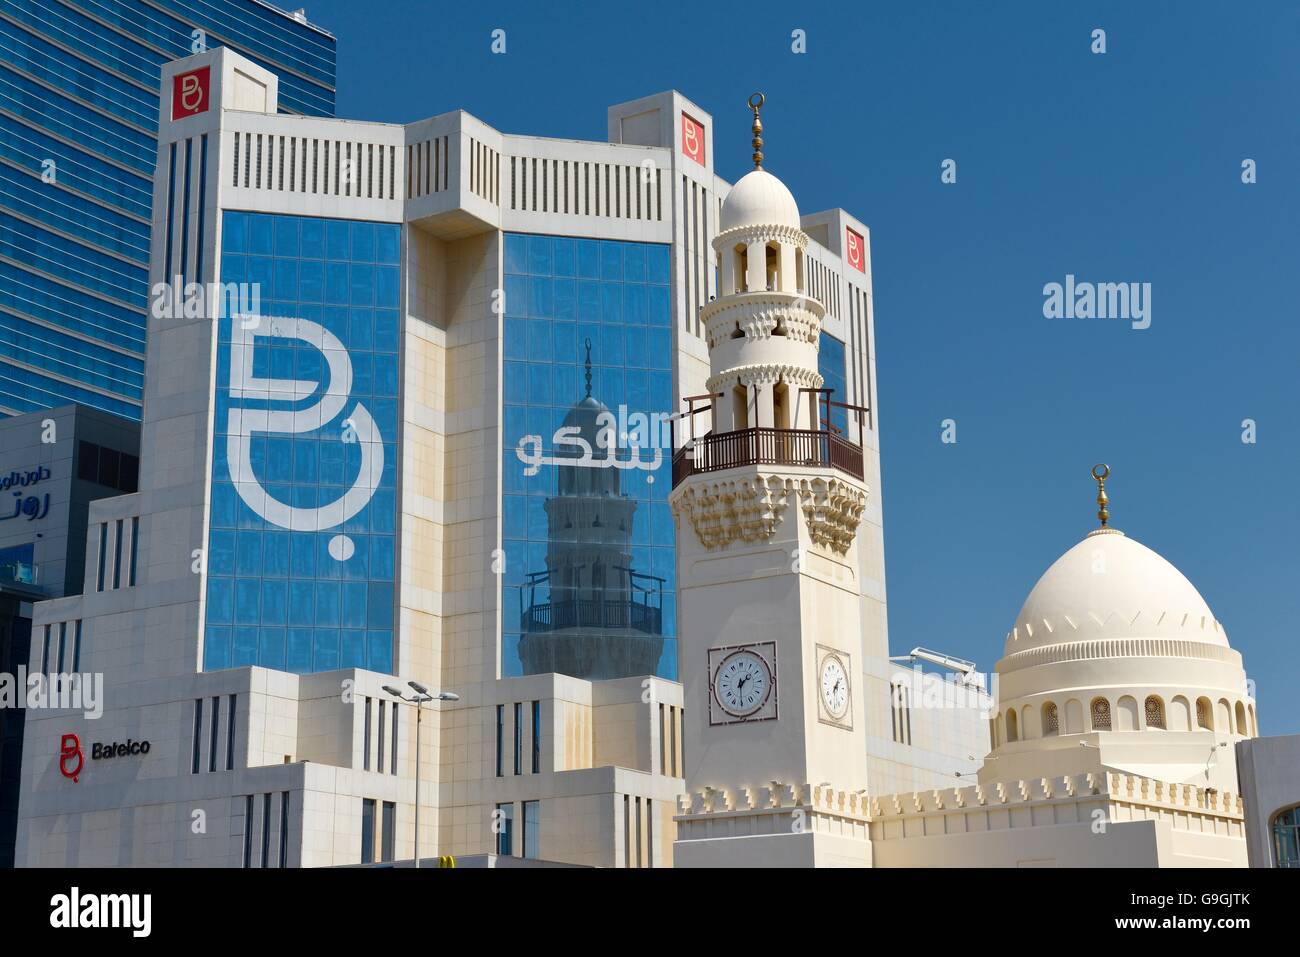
756 101
1100 473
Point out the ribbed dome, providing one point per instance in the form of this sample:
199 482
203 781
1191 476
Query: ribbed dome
1110 586
759 199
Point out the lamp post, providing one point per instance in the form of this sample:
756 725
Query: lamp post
422 694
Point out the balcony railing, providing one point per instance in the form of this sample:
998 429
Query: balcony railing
614 615
765 446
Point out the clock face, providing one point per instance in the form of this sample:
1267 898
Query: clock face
742 684
835 687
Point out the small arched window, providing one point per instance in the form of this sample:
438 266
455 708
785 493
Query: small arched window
1011 726
1204 714
1051 720
1100 714
1155 712
1241 720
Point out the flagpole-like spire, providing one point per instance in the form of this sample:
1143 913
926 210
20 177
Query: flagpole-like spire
756 101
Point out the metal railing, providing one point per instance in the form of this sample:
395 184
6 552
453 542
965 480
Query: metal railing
767 446
611 614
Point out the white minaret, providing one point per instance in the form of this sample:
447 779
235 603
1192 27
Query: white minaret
768 506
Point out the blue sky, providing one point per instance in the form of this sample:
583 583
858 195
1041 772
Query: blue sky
1117 167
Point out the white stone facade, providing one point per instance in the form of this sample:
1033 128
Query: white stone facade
280 776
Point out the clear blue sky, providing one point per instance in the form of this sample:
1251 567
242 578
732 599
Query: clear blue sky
1117 167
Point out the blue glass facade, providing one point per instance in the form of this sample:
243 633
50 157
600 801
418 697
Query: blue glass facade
79 81
834 373
589 577
302 550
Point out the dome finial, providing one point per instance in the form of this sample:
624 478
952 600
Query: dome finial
756 101
1101 472
588 368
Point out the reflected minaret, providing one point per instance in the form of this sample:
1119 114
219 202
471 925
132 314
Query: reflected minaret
589 614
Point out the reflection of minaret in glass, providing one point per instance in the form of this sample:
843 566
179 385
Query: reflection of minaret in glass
601 619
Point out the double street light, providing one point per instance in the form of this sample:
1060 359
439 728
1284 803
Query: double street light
422 694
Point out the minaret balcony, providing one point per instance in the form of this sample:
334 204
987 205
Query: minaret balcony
767 446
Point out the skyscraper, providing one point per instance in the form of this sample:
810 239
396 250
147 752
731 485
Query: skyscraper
438 448
78 139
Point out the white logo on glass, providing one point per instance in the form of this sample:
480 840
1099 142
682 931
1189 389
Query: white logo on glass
243 423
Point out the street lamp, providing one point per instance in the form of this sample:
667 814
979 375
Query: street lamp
422 694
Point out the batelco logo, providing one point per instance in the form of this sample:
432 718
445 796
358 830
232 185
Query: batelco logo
71 759
118 749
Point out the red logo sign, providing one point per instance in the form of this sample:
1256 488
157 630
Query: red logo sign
190 93
693 139
855 250
70 751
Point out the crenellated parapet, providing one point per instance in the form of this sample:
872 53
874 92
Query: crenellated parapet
1069 799
776 796
762 315
764 374
750 507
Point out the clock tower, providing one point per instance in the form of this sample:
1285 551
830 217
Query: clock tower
768 505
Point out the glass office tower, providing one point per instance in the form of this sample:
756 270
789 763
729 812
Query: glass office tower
590 571
292 584
78 129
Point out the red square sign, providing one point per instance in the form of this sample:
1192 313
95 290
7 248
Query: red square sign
693 139
190 93
855 250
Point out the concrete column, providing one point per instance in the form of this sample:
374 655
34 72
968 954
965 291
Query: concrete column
785 258
727 273
756 267
764 412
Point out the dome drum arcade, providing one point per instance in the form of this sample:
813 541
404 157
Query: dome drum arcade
1115 650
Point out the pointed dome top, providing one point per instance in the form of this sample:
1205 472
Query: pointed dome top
759 199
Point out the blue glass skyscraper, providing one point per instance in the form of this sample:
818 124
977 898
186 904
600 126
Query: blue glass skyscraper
78 127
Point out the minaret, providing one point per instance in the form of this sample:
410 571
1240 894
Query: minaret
590 614
768 506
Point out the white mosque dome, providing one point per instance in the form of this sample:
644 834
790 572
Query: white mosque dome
1109 586
1114 640
759 199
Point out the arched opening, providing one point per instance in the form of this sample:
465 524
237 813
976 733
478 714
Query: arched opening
739 408
1074 717
1126 713
1100 709
1204 714
1285 831
1223 716
1012 734
800 283
1027 725
1051 720
1154 712
1180 715
781 405
999 730
740 274
772 267
1242 729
